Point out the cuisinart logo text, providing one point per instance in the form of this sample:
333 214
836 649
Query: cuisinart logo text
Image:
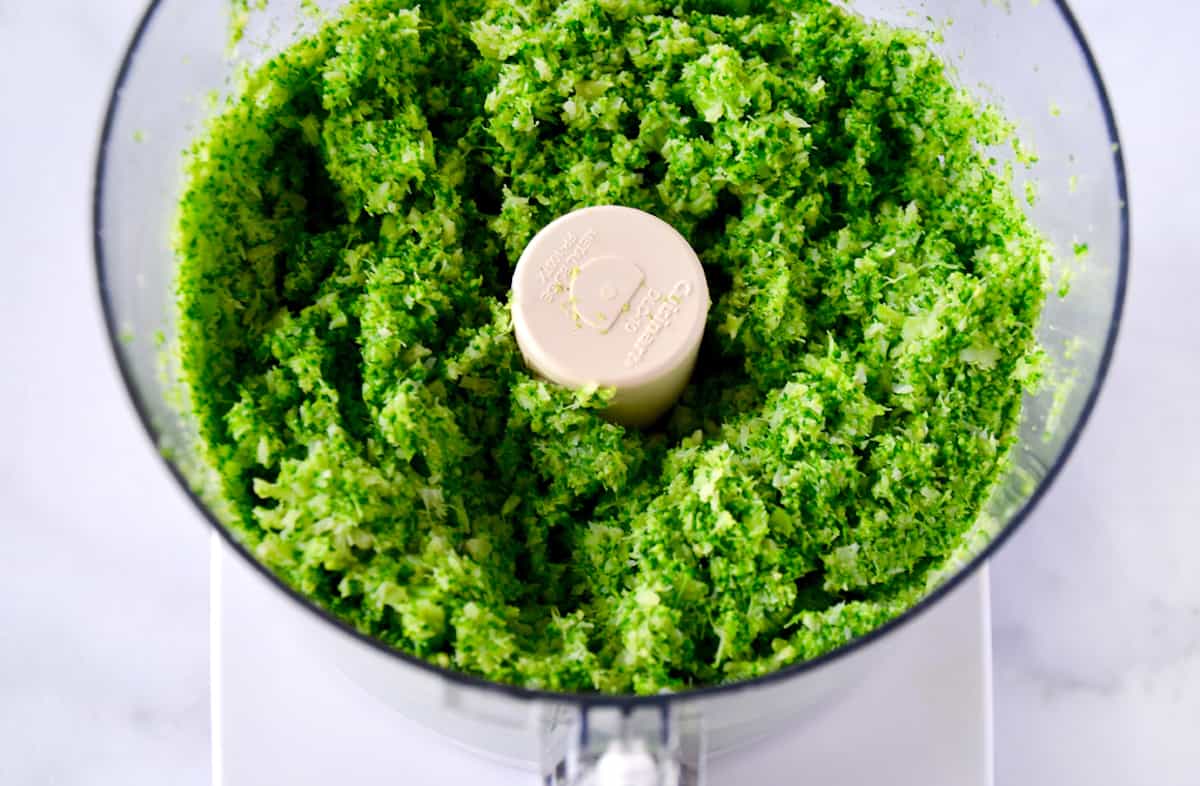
654 314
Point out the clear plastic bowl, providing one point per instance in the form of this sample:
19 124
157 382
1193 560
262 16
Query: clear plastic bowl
1028 57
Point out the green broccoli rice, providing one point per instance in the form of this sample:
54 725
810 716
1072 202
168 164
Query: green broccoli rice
347 235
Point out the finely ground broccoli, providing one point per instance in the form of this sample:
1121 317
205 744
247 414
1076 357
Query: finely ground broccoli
346 240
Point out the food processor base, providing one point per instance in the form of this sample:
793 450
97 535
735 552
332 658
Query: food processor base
280 714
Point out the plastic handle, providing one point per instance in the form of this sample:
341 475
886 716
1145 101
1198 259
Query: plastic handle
613 746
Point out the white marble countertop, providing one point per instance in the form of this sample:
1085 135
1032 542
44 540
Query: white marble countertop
103 567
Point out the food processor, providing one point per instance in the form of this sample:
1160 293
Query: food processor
1028 58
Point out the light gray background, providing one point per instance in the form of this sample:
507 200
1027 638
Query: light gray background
103 604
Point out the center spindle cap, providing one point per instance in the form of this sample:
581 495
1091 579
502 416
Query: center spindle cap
615 297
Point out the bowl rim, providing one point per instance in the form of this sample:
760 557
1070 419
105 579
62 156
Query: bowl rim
626 701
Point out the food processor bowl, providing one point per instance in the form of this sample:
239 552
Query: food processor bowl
1028 58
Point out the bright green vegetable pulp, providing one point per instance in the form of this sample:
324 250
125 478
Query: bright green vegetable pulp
347 238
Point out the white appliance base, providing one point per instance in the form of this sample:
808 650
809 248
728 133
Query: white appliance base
282 716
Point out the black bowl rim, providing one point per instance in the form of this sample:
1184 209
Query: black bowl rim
628 701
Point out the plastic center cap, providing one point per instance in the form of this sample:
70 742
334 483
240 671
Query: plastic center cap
602 290
615 297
